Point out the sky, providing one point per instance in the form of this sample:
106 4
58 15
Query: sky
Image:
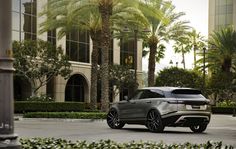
196 12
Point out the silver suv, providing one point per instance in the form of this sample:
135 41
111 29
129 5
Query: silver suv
160 107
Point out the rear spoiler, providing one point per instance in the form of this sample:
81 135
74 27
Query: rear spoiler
186 91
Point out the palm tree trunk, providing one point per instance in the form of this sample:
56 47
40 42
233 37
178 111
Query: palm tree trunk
152 60
95 36
194 54
105 9
183 56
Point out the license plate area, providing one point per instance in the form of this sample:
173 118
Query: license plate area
196 107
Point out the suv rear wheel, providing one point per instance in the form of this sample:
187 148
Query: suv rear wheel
113 120
198 128
154 123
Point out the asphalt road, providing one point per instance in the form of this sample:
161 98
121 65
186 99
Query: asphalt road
221 128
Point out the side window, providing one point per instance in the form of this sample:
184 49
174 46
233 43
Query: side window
137 95
152 94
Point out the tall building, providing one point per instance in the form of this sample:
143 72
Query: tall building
221 13
77 46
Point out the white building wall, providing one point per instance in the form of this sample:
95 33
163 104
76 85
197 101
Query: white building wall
139 63
116 60
211 18
234 14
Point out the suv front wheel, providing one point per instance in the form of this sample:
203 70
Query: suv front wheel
198 128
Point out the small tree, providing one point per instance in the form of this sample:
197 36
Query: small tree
179 77
121 76
39 61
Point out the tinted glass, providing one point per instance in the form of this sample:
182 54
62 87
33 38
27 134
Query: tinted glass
137 95
187 93
151 94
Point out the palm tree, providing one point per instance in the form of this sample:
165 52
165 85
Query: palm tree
181 46
70 19
221 56
196 42
162 31
97 17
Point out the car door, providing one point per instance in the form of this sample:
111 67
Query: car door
142 104
127 106
146 101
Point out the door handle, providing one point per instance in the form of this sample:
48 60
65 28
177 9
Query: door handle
133 102
148 102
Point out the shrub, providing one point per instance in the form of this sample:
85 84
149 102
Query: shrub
41 98
226 103
25 106
48 143
179 77
72 115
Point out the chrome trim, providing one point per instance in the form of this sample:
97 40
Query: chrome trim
190 116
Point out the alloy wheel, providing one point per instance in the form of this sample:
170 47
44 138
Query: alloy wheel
113 120
154 122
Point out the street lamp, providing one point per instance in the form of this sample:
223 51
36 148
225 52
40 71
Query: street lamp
135 56
176 63
7 137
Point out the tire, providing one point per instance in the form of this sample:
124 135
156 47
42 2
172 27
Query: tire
113 120
198 128
154 122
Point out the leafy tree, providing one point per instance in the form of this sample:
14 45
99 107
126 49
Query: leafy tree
39 61
162 31
121 76
179 77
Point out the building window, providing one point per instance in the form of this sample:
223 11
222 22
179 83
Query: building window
24 16
52 37
77 46
127 53
223 13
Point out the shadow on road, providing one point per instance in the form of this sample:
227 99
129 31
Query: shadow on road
165 131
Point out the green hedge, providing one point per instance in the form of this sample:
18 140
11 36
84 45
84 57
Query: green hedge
72 115
223 110
50 143
26 106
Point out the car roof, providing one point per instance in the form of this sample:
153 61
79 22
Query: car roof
165 88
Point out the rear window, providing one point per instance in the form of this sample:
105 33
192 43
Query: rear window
187 93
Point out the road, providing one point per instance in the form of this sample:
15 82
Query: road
221 128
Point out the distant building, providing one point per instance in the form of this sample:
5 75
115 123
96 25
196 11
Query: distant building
77 45
221 13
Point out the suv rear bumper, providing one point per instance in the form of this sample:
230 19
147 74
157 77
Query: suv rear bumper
186 118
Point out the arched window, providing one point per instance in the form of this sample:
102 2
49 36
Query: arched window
76 89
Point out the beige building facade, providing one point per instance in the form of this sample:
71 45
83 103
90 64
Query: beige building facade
77 45
221 13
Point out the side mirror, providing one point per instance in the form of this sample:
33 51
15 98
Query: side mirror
126 98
